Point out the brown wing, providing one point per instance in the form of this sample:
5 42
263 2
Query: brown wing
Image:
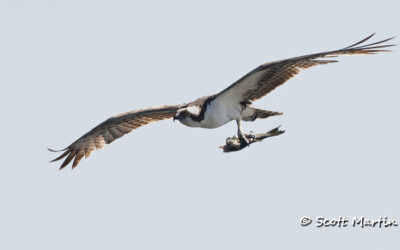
267 77
112 129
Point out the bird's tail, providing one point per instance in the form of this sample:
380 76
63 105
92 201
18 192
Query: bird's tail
250 114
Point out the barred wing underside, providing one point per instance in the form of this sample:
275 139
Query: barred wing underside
268 76
112 129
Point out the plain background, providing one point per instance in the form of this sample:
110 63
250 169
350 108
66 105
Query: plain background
68 65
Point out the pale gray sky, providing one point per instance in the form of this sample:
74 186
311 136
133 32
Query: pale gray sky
68 65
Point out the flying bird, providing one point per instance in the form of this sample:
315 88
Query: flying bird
231 104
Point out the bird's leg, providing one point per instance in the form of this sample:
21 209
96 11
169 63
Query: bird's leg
241 135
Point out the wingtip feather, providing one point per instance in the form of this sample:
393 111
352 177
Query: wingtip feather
55 151
363 40
61 156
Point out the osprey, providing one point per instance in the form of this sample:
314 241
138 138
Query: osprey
231 104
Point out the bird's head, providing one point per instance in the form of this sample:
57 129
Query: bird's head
185 115
181 114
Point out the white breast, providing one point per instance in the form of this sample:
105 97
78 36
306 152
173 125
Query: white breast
219 113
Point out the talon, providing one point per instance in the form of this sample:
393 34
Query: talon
251 137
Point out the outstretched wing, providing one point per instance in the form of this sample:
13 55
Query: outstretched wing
112 129
268 76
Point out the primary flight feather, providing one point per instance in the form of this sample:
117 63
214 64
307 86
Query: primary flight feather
233 103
